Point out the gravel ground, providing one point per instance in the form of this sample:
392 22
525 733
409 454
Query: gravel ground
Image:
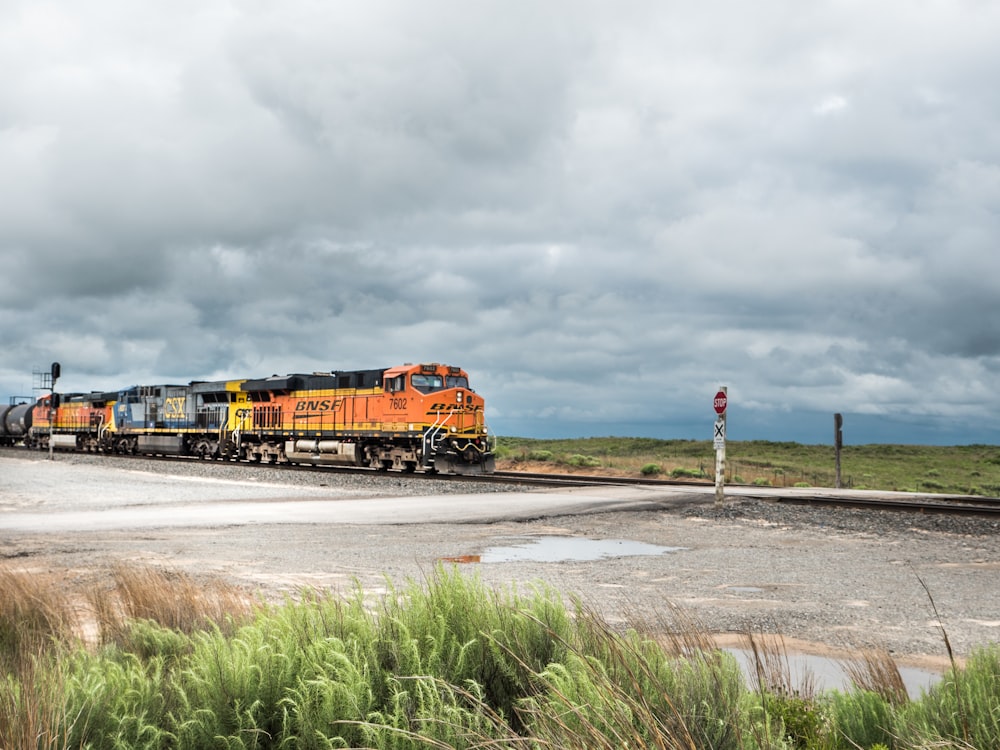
825 579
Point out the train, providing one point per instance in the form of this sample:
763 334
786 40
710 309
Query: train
411 417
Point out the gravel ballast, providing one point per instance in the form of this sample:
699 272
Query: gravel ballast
830 578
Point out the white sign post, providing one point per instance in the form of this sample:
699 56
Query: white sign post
719 436
719 441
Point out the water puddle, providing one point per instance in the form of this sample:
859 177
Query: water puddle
562 549
827 674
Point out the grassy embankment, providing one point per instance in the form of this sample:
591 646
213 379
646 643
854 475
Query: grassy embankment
966 470
170 663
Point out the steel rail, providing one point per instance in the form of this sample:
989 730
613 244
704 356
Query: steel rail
953 504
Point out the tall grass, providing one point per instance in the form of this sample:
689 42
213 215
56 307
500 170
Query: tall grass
961 711
613 691
172 599
34 610
875 671
36 616
445 662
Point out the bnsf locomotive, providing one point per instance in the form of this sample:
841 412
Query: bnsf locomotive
409 417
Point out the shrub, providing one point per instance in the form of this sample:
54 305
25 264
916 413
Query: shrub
540 456
651 470
115 700
581 461
863 718
687 473
802 718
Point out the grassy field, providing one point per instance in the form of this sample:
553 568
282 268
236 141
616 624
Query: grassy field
965 470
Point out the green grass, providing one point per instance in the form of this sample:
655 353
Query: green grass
442 663
966 470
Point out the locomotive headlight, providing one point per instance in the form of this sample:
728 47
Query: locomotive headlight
458 397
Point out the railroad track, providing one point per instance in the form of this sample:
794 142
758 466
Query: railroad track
510 477
904 502
589 480
945 504
951 505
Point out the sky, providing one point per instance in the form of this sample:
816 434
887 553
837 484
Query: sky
602 211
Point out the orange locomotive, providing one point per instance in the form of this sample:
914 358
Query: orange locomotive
414 416
410 417
78 421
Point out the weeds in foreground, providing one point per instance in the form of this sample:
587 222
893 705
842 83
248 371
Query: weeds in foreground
443 663
172 599
875 671
34 611
36 618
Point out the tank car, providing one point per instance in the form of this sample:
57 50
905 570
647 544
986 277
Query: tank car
15 422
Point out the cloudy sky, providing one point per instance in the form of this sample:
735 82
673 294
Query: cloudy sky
603 211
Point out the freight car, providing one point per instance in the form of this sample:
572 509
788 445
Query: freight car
15 422
412 417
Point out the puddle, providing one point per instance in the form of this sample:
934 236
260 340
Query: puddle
562 549
827 674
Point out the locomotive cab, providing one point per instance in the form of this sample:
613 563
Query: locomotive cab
434 403
70 421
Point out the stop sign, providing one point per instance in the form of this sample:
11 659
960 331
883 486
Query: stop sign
720 402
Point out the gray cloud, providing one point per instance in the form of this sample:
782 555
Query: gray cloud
602 212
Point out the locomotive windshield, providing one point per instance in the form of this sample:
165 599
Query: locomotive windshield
427 383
